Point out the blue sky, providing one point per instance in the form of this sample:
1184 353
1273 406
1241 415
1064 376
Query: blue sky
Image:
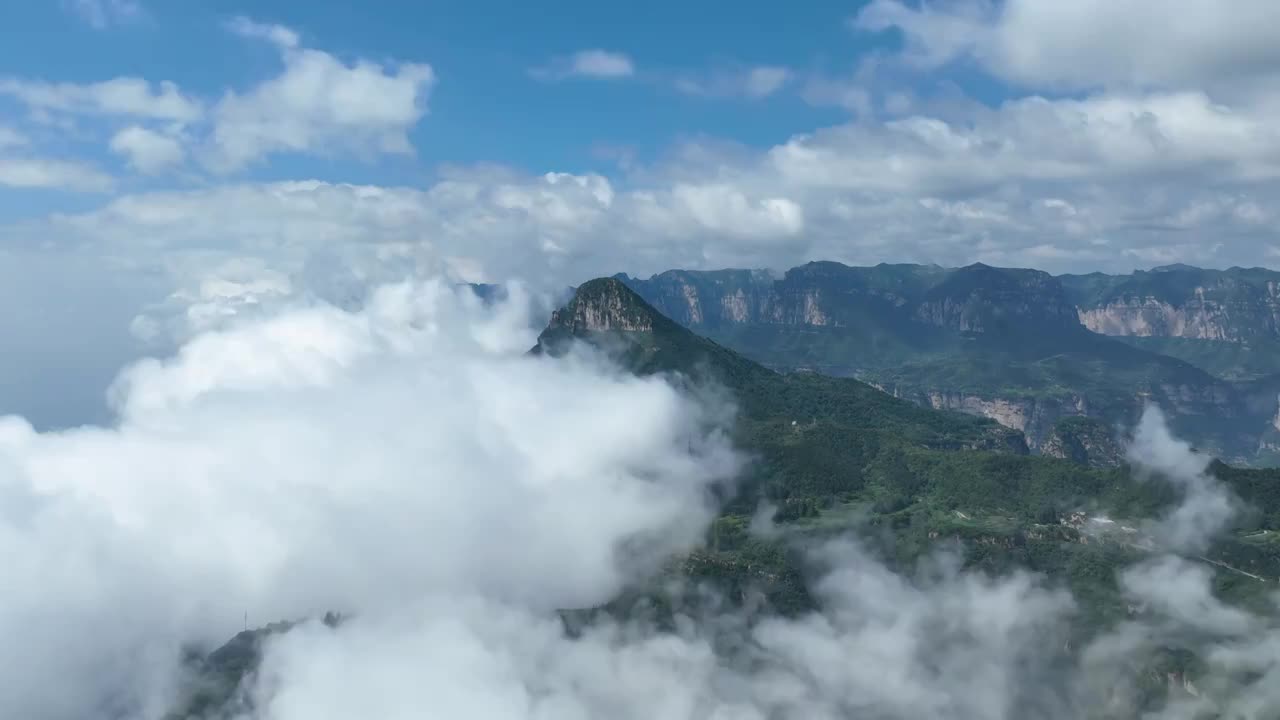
176 163
486 106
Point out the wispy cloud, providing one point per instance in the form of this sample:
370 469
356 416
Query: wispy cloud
36 172
755 83
594 63
102 14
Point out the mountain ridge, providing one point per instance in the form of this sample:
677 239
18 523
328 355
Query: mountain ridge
1005 343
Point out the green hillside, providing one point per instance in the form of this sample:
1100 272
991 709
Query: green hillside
835 457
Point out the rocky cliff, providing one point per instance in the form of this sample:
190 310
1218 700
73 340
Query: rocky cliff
975 299
1085 441
1034 417
1012 345
603 306
981 299
1235 305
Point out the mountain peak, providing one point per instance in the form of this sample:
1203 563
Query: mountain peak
605 305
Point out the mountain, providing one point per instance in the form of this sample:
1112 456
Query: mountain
1224 321
834 457
1003 343
607 313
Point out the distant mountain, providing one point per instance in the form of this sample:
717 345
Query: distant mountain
1236 305
1007 344
607 313
834 457
1224 321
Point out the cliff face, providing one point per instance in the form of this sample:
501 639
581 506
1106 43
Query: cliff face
973 299
1012 345
1236 305
979 299
1085 441
1033 417
602 306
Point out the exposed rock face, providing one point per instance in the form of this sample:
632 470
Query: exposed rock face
1012 345
1033 417
1085 441
600 306
1149 317
825 294
1236 305
708 299
980 298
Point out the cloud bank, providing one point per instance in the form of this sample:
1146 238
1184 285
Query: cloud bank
322 459
406 462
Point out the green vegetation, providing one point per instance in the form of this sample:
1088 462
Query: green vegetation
836 457
980 334
1235 361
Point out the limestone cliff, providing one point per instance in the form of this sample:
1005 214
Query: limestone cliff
1033 417
1235 305
1013 345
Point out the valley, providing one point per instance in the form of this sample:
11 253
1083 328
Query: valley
836 460
1022 347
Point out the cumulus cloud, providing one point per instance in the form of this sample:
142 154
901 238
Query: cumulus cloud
1090 44
478 227
147 151
1112 182
886 647
317 104
594 63
406 462
371 461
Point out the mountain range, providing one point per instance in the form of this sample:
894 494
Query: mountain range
1020 346
833 456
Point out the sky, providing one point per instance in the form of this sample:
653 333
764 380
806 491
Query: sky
573 139
167 164
239 381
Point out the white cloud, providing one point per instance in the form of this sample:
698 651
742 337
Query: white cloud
1206 507
146 150
766 80
596 63
319 459
601 64
102 14
36 172
750 82
277 34
318 104
543 229
1147 178
125 96
1092 43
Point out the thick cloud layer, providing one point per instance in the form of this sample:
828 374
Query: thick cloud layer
320 459
408 463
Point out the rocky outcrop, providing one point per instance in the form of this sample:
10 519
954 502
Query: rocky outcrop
1235 305
1012 345
1033 417
980 299
602 306
1084 440
976 298
1149 317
